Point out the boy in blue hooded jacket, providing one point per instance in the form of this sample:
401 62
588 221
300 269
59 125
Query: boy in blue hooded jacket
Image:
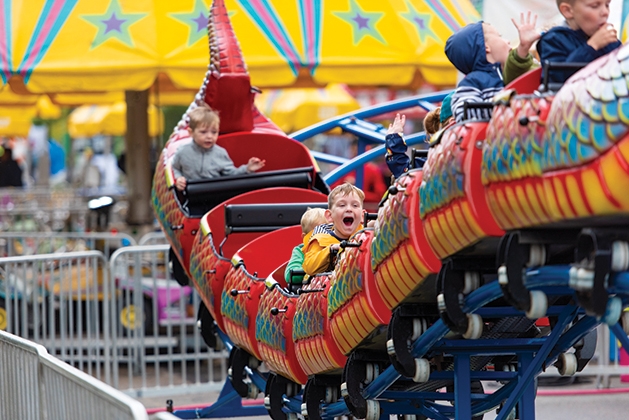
584 37
479 52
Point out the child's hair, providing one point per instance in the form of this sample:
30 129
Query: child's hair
570 2
312 218
343 190
203 115
432 121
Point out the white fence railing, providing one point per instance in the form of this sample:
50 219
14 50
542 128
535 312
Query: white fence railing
13 244
123 321
35 385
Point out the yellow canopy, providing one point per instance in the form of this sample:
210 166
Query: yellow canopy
90 120
18 111
16 121
117 45
297 108
107 98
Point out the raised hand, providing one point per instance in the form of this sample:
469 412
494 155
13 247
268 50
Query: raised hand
398 124
527 32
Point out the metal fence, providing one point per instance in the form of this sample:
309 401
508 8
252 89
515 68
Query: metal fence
153 238
123 321
30 243
35 385
44 218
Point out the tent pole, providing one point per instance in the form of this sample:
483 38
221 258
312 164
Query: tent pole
137 143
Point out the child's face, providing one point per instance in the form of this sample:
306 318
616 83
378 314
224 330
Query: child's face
205 135
496 47
346 214
587 15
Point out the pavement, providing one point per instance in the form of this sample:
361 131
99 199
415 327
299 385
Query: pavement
576 398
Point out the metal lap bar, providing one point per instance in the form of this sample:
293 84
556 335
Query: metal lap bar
247 218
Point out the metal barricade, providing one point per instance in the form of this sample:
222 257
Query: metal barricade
44 218
124 322
35 385
159 349
29 243
62 301
153 238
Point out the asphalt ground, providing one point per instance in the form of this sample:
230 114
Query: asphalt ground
558 398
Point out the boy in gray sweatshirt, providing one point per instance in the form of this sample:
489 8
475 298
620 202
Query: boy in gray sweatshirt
203 158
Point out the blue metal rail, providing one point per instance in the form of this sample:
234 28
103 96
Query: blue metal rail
532 354
368 133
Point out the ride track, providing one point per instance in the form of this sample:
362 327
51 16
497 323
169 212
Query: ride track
511 222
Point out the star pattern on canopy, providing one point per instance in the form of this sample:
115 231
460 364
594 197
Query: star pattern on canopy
420 21
113 24
363 23
196 20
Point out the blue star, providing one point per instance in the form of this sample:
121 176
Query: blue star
201 21
420 21
113 24
363 23
196 20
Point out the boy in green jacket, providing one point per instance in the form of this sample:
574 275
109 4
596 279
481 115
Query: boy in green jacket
310 219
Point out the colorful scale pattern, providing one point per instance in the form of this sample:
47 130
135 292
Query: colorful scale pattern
165 206
392 223
514 151
399 269
268 327
586 155
347 279
443 178
308 319
236 316
315 349
461 217
590 114
204 264
275 348
512 163
353 313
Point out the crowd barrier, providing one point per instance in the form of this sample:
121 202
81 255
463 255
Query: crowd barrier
153 238
121 320
35 385
29 243
124 321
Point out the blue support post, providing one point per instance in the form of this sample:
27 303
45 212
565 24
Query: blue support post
462 388
527 402
536 363
228 404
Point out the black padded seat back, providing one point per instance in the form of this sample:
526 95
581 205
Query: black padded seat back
245 218
204 195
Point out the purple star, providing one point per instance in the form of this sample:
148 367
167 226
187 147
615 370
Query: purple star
201 21
421 23
363 22
113 23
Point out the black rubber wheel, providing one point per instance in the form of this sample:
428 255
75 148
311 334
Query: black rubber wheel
206 325
176 269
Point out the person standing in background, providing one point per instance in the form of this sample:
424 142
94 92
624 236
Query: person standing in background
10 171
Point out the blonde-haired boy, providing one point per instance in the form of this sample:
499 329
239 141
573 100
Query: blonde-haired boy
309 220
203 158
344 217
585 36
